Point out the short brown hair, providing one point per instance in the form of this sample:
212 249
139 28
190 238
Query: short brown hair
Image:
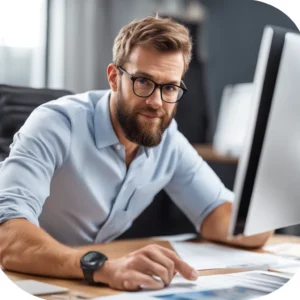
161 34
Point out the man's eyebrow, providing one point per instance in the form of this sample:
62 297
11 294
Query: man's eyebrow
149 76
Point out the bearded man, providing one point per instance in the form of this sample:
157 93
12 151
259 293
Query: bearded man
83 167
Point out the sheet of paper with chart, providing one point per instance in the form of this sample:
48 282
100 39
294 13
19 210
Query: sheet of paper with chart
244 285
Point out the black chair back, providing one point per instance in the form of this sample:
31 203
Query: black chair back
16 104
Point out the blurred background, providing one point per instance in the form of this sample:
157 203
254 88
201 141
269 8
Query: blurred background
67 45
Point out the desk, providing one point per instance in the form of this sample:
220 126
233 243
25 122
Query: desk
117 249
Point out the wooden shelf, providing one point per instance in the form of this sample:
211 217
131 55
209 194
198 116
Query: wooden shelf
207 152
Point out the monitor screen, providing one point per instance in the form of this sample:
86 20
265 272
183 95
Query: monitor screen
267 184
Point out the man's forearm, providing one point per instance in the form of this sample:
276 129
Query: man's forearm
254 241
215 227
28 249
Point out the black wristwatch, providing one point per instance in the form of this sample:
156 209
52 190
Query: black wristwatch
89 263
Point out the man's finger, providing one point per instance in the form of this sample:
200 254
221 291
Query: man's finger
163 260
182 267
152 268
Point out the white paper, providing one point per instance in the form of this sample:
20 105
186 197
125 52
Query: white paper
36 288
210 256
176 238
290 270
285 249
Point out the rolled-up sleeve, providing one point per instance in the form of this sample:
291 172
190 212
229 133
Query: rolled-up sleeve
194 187
39 147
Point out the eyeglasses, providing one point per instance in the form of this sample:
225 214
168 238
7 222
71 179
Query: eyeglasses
145 87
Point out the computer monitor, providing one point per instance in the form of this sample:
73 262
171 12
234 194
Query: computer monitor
267 184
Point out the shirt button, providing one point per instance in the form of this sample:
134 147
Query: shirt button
118 147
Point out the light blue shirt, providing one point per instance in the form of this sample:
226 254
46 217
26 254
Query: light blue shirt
66 172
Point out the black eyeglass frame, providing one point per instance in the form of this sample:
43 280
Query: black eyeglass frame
133 79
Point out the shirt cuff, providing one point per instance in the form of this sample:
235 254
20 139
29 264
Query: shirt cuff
227 195
198 222
11 213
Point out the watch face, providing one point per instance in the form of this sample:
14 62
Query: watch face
92 260
91 257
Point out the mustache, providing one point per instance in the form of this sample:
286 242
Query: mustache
160 113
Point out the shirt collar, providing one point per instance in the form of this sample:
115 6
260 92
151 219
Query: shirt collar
104 133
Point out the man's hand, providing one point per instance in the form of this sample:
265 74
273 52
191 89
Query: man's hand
150 267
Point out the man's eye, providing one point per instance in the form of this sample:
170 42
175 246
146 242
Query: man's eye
171 88
142 81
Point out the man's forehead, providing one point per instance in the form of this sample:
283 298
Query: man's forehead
142 55
152 64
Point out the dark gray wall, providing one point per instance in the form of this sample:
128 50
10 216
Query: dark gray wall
232 34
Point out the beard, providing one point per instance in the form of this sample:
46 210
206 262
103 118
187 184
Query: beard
147 133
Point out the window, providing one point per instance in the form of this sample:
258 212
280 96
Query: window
23 42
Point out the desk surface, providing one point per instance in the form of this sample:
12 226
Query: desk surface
118 249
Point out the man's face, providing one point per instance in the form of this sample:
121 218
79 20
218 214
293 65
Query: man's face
144 120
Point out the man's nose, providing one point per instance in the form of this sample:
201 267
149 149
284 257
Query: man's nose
155 100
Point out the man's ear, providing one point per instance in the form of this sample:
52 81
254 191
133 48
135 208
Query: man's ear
112 76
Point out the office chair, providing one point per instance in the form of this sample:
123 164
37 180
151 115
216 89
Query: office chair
16 104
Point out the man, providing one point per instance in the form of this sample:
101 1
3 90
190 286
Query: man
83 167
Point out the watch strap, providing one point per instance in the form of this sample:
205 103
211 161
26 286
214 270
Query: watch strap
89 276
